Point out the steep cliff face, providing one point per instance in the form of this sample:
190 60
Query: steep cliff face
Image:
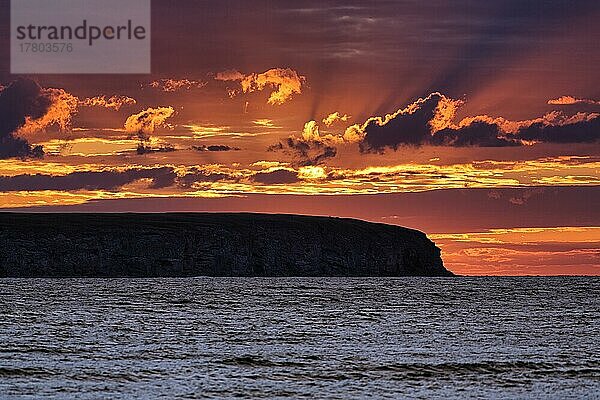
139 245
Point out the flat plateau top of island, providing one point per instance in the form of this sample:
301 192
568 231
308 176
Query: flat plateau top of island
175 219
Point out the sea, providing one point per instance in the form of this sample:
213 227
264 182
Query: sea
317 338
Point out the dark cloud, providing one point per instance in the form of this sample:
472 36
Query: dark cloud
278 176
214 147
88 180
481 134
143 149
305 152
409 127
429 121
22 99
199 175
162 177
585 131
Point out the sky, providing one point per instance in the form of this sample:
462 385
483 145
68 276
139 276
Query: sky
476 122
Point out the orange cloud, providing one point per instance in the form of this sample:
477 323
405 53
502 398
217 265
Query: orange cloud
113 102
570 100
63 106
147 121
285 81
173 85
312 172
354 134
229 75
311 131
265 123
335 117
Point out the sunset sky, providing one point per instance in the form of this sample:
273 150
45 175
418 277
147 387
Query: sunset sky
476 122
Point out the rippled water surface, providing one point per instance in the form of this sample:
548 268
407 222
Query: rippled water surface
318 338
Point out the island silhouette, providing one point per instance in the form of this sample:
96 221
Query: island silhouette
209 244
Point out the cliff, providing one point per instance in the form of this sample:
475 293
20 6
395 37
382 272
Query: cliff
195 244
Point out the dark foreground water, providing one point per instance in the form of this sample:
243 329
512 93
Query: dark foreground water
316 338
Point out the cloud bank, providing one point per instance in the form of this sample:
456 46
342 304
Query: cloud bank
430 121
110 180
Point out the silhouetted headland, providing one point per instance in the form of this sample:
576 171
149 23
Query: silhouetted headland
207 244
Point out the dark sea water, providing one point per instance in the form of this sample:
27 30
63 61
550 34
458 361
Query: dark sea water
300 338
